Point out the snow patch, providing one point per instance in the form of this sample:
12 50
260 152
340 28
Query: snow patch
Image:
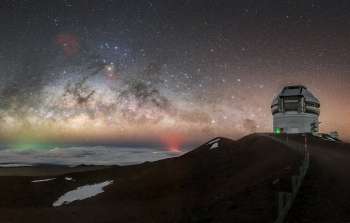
327 138
43 180
215 145
69 179
81 193
214 141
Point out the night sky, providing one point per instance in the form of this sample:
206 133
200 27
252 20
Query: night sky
165 71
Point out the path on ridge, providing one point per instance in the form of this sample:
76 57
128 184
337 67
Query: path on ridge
325 193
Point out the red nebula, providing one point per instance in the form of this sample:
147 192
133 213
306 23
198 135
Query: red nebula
173 142
112 76
69 43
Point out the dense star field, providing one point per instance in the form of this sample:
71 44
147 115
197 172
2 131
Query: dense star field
169 72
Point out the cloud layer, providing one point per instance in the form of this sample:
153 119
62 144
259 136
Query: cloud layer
73 156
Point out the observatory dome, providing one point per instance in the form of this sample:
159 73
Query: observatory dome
295 110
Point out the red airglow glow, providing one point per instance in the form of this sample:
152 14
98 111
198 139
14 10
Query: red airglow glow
173 142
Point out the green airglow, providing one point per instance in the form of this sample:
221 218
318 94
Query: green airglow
30 146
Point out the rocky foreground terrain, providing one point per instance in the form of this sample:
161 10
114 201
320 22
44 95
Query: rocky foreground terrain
221 181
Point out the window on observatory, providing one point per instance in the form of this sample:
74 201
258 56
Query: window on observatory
312 110
291 104
312 104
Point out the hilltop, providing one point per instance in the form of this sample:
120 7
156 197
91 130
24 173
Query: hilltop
220 181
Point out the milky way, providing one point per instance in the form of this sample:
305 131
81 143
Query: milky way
166 71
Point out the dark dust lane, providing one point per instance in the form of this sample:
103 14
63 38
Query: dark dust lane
325 193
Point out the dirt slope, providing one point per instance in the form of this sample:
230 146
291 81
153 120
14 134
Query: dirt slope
325 194
230 183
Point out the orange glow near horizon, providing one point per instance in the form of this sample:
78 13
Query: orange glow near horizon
173 142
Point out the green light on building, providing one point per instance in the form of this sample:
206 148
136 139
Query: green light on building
278 131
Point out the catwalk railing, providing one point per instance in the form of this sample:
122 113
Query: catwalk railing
285 196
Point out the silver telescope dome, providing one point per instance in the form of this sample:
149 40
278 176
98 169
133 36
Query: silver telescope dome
295 110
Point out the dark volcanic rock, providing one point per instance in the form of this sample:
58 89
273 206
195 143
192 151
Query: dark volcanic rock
324 195
229 183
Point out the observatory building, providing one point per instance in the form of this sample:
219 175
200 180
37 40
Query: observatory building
295 110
